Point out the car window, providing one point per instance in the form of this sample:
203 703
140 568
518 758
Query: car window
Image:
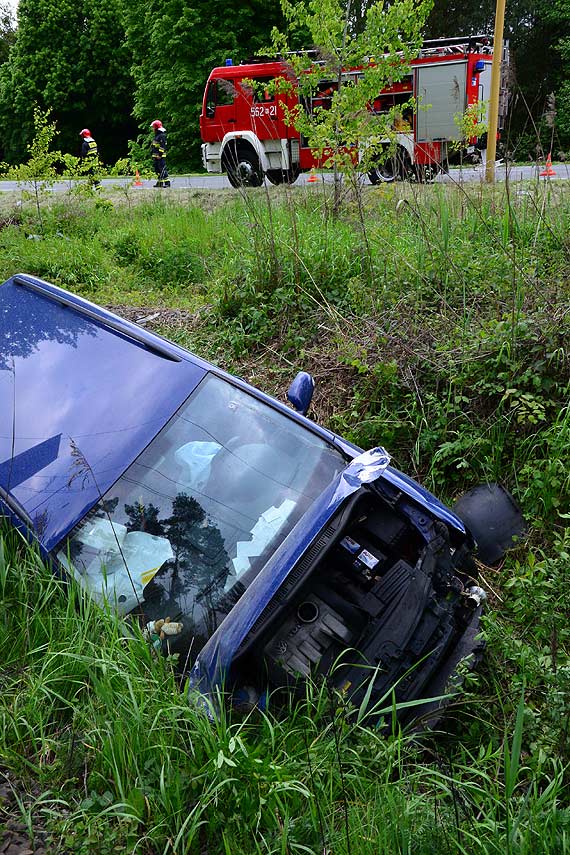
195 517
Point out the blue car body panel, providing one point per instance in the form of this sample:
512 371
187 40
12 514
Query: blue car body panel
76 397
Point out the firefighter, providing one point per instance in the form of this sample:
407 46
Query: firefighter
89 155
158 152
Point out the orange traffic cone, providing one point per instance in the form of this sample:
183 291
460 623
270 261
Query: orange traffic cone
137 182
546 173
312 177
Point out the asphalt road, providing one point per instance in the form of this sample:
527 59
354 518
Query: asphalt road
468 175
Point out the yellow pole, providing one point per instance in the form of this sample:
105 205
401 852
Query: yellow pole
495 87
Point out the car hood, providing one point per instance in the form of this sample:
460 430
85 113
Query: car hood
366 468
79 400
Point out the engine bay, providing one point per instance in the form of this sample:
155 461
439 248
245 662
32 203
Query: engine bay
378 598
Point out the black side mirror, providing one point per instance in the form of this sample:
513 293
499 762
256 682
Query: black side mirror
300 392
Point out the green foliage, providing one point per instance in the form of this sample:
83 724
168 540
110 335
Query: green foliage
455 358
390 36
174 51
43 161
472 123
69 57
46 165
7 31
40 171
85 698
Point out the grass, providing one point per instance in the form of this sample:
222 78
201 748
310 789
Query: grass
125 763
435 320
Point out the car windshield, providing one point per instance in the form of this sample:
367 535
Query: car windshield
193 520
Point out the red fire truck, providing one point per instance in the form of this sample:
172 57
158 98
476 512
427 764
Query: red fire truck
244 132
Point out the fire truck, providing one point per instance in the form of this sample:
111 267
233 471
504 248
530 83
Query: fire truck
245 135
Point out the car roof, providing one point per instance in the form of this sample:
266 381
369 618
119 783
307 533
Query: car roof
82 393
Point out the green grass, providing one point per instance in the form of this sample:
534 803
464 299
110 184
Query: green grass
124 762
435 320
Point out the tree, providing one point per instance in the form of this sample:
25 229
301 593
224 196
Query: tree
144 518
40 170
539 36
342 127
7 31
70 57
174 45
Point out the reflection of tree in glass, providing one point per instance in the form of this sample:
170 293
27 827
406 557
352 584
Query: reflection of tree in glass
144 518
200 558
31 322
109 506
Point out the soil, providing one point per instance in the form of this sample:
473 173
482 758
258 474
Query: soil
153 317
16 836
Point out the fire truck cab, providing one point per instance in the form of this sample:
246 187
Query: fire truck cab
244 132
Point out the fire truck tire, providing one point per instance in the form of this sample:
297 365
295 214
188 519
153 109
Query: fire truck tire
283 176
243 167
383 173
395 168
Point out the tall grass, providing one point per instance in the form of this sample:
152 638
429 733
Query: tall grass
124 759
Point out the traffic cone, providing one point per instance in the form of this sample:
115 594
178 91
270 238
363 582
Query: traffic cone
137 182
312 177
548 172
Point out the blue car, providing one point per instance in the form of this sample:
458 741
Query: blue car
257 546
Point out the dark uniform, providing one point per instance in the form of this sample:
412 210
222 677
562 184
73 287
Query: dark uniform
90 155
158 152
89 148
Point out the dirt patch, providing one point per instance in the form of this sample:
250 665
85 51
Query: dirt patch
153 317
16 836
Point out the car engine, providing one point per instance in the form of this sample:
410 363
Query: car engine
373 598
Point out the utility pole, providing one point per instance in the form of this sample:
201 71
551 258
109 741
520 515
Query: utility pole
495 87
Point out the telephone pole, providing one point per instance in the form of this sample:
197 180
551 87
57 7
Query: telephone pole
495 88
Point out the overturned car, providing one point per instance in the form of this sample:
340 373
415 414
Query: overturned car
259 547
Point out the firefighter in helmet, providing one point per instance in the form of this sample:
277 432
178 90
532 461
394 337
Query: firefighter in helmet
89 155
158 152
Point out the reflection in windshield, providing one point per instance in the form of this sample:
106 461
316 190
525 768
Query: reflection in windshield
194 519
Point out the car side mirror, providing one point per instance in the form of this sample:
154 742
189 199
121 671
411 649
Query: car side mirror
300 392
210 112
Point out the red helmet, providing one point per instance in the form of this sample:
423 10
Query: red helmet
85 132
156 124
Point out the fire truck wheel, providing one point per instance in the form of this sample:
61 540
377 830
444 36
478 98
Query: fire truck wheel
383 173
398 167
283 176
243 168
